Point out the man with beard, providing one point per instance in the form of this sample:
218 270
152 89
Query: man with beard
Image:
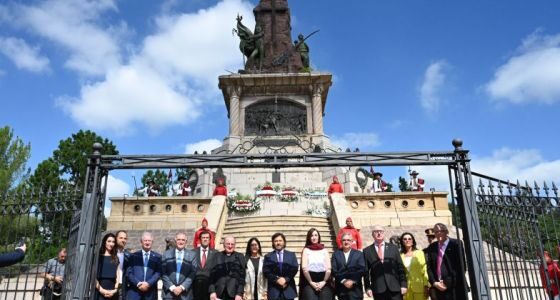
227 279
280 267
123 255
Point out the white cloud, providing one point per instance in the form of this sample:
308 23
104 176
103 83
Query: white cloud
504 164
353 140
130 95
23 55
74 25
170 79
115 188
532 74
206 145
434 80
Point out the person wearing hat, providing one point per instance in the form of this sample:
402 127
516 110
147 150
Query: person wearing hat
416 184
430 235
350 229
150 190
379 185
335 186
220 189
204 228
184 188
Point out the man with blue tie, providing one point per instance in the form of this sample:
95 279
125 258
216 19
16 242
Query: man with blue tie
143 271
177 270
280 267
348 267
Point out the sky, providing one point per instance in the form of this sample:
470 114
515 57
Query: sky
407 76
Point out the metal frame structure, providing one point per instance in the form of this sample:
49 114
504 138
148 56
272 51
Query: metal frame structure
100 165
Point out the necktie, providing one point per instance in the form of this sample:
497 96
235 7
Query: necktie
146 258
179 262
203 260
280 261
439 260
380 252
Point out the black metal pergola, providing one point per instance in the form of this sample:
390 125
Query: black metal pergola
99 166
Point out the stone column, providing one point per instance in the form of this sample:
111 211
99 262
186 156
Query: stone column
317 109
234 125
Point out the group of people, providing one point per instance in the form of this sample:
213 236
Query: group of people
380 270
152 189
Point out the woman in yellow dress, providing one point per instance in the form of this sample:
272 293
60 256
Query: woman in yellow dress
415 264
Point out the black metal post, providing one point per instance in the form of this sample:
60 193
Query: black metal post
87 235
476 261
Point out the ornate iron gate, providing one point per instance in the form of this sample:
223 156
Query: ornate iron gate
41 219
519 223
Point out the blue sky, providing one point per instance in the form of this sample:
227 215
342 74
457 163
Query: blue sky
408 75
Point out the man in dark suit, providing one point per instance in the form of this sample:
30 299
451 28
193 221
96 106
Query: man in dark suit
385 276
8 259
348 267
280 267
177 270
227 278
143 271
204 260
446 266
124 255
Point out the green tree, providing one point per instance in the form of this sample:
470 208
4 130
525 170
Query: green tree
389 187
14 154
403 184
46 176
71 155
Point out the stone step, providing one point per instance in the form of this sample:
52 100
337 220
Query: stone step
281 220
267 232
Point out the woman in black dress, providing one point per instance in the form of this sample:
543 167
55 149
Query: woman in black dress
108 272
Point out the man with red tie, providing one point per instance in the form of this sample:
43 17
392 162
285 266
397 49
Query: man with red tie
385 277
204 259
446 266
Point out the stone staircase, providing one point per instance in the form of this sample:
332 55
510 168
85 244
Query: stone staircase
293 227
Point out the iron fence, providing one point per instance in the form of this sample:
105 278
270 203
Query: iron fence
520 228
42 219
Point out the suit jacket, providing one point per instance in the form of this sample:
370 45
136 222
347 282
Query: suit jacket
453 267
388 275
8 259
417 276
228 275
352 269
204 273
135 274
124 283
186 274
272 272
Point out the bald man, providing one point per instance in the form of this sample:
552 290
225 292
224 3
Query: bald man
227 279
143 271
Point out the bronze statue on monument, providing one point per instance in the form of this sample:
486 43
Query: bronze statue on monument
269 49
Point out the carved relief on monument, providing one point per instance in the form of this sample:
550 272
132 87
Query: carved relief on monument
275 117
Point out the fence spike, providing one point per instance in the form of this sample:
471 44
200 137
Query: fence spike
545 188
537 188
555 189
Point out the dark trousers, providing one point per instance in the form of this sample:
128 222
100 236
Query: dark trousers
449 294
47 294
200 289
388 295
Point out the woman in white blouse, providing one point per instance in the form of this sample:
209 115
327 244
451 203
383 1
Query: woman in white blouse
315 269
255 282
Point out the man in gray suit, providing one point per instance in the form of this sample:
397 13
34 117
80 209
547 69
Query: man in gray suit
178 269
